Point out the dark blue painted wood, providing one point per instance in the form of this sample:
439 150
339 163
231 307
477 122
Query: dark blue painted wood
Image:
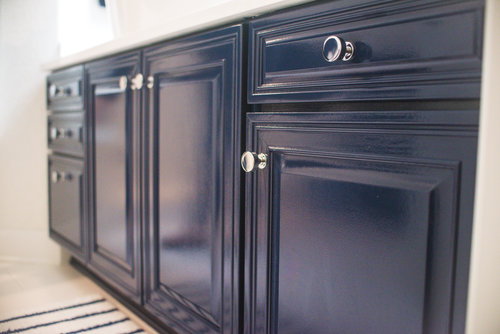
70 90
115 239
67 205
69 133
404 50
361 222
192 181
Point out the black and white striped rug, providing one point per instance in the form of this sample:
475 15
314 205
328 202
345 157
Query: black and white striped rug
92 315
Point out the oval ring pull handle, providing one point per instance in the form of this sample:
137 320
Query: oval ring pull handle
335 48
250 159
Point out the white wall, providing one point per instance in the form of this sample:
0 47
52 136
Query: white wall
28 38
82 24
483 315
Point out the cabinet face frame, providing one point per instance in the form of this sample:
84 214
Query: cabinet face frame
125 274
212 59
453 165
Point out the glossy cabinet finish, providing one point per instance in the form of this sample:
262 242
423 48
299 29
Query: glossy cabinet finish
424 49
192 181
356 224
114 110
67 209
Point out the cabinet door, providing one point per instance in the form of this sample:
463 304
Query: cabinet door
360 223
67 206
115 230
193 182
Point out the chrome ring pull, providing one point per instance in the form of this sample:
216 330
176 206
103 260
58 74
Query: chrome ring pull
335 48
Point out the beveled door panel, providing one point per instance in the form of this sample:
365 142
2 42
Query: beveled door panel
115 227
353 228
193 112
67 207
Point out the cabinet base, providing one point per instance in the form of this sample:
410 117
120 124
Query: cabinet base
134 307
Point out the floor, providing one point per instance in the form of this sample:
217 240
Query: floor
27 285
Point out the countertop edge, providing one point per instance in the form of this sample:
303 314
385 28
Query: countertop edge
182 25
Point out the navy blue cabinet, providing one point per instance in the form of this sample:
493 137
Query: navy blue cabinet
192 182
356 223
67 161
114 111
360 222
67 205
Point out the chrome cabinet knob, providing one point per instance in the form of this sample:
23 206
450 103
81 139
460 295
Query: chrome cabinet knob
137 82
123 82
56 176
54 133
335 48
53 90
250 159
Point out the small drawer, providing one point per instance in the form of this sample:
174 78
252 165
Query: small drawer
67 204
65 90
403 50
65 133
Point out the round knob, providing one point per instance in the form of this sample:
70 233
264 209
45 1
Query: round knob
250 159
53 90
67 91
68 176
54 133
123 82
335 48
56 176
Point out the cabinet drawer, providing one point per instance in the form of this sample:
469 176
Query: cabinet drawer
402 50
66 209
65 89
65 133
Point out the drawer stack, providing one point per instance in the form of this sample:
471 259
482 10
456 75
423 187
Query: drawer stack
66 141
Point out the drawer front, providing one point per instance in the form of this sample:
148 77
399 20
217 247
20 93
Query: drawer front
402 50
65 133
65 90
66 209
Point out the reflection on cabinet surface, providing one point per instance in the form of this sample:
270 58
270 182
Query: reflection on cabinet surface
355 225
114 174
193 117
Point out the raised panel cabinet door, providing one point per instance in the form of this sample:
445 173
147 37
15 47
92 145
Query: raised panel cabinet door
114 108
192 182
67 209
360 222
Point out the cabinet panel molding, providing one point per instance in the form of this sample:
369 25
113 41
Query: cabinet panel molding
192 181
114 141
425 49
358 228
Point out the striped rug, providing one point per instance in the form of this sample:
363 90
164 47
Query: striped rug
92 315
